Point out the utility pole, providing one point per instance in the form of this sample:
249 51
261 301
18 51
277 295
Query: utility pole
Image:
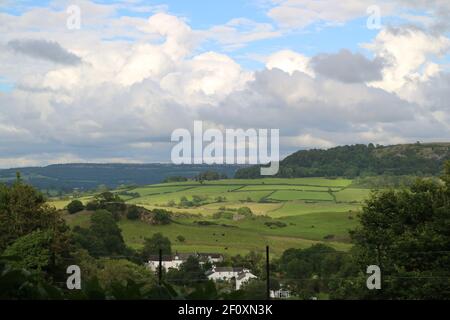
267 273
160 268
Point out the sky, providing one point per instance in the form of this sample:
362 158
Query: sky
109 81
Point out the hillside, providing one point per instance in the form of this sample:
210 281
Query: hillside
90 176
237 216
361 160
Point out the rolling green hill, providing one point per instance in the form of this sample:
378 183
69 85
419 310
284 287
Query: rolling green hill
285 213
361 160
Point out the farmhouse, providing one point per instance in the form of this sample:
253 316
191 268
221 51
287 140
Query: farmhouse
174 261
240 275
280 294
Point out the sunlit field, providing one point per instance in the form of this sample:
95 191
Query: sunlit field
308 210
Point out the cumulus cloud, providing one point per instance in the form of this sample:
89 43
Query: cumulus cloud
348 67
303 13
123 102
408 53
289 61
45 50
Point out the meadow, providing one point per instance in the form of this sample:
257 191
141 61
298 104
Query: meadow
286 213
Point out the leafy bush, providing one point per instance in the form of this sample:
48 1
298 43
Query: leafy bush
133 213
75 206
275 224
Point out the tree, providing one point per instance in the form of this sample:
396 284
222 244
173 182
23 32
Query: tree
161 216
254 290
105 228
32 251
181 238
405 233
123 272
154 244
89 241
245 211
75 206
23 210
189 273
133 213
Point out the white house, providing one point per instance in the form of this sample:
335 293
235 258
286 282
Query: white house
174 261
243 278
280 294
167 262
240 275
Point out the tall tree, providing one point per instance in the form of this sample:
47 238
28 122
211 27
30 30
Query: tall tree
105 228
154 244
407 234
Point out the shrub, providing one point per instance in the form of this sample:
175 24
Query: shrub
276 224
75 206
133 213
92 206
245 211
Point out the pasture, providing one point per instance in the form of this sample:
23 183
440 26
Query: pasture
286 213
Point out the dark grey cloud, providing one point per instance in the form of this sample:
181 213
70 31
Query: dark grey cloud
348 67
44 50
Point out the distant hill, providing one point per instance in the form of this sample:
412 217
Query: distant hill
361 160
66 177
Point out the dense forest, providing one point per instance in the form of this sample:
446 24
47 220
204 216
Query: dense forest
360 161
66 177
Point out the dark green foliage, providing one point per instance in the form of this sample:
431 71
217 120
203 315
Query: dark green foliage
245 211
33 231
32 251
103 237
16 283
161 216
92 205
361 160
175 179
189 273
75 206
204 291
253 290
66 177
133 213
210 176
307 271
88 240
275 224
22 211
405 233
105 228
154 244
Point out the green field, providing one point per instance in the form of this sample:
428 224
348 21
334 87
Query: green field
287 213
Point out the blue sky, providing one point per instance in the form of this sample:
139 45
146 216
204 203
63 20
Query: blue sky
312 69
204 14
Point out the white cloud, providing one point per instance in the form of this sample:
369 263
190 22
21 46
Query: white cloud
238 32
289 61
407 53
302 13
124 100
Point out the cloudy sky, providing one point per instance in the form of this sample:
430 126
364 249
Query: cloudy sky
324 72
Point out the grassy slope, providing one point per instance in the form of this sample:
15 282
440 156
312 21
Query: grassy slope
306 207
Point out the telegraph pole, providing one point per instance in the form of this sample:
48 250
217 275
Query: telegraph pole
267 273
160 268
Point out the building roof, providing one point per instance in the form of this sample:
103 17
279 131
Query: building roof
185 256
156 258
211 255
242 275
227 269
